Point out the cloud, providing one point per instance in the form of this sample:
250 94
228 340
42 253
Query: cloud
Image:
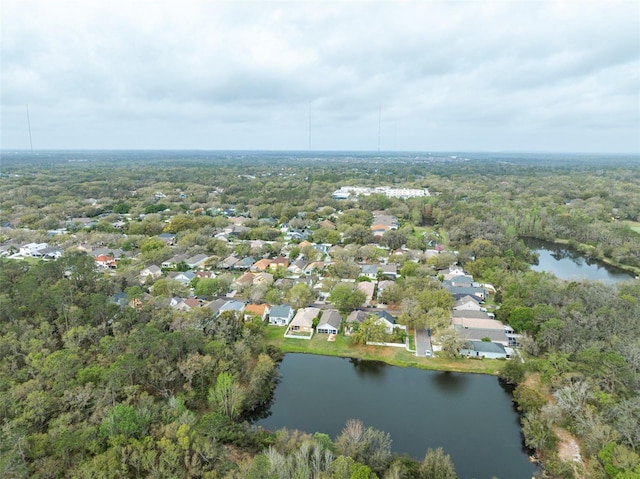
251 70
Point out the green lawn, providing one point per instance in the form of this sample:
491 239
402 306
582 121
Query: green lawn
343 347
634 225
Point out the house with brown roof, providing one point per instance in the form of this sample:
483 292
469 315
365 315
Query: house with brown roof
259 310
261 265
327 224
279 262
105 261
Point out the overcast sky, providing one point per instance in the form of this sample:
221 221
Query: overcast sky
421 76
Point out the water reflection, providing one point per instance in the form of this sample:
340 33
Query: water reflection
448 382
368 368
569 264
419 409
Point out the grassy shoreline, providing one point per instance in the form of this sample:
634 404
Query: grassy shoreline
343 347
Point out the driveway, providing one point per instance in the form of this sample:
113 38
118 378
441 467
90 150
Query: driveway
423 342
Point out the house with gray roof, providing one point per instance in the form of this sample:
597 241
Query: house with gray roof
329 322
215 306
370 271
389 321
480 334
196 261
389 270
183 277
174 261
280 315
232 305
484 349
244 263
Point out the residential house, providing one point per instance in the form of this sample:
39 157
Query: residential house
316 266
355 318
229 262
196 261
378 229
470 314
234 306
244 281
168 238
297 267
370 271
389 321
494 335
263 278
461 291
188 304
461 280
32 249
468 303
259 310
302 323
105 261
484 349
321 248
8 249
327 224
368 289
389 270
153 271
384 284
244 263
182 277
280 315
174 261
329 322
205 274
49 253
215 306
279 262
261 265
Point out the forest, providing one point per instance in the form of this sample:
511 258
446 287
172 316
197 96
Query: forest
90 387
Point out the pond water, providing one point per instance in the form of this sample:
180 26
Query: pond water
568 264
470 416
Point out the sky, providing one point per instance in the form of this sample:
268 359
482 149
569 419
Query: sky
494 75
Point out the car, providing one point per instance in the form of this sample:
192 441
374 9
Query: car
428 353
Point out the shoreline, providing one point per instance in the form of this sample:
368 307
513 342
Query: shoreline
391 356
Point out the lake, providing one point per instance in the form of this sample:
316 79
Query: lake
568 264
470 416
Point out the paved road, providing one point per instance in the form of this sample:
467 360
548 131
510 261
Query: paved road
423 342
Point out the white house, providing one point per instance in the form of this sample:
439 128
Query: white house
32 249
484 349
280 315
152 271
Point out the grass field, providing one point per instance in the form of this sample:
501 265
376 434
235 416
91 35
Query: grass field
634 225
343 347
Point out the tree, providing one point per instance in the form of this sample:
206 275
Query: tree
227 395
370 330
437 465
451 343
344 297
300 295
